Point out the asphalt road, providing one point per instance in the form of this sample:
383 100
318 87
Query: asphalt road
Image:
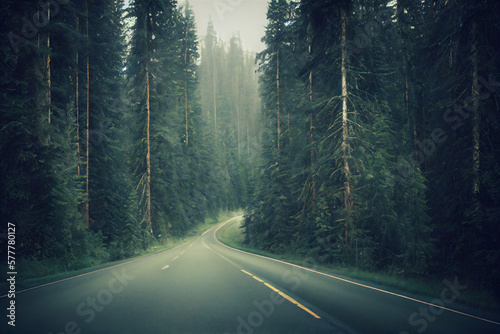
207 287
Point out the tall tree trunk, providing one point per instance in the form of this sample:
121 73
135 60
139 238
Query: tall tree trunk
476 117
278 94
214 70
149 36
88 141
288 125
347 173
186 84
238 113
77 106
410 119
49 94
248 139
311 125
311 129
88 118
148 153
186 109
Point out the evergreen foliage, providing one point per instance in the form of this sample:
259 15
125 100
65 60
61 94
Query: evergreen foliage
403 181
230 106
104 147
365 133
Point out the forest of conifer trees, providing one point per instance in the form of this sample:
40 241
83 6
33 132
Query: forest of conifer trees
108 144
365 134
380 136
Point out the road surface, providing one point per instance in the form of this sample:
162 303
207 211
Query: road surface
207 287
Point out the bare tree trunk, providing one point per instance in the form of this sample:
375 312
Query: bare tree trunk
88 141
407 106
77 107
88 118
215 89
148 154
248 140
411 119
311 127
186 85
406 95
49 94
238 113
288 125
148 125
347 173
186 107
476 117
278 94
38 33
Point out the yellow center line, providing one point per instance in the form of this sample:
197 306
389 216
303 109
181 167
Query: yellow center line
272 287
175 258
258 279
290 299
246 272
165 267
284 295
362 285
309 311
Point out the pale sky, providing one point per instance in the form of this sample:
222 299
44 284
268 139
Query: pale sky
230 16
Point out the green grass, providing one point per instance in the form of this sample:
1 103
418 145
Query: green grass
232 235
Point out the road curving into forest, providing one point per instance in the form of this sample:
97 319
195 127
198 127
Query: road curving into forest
207 287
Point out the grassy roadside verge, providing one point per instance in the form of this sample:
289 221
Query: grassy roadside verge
232 235
33 280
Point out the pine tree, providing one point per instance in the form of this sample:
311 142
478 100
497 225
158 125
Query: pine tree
465 66
153 21
39 189
190 45
268 226
108 188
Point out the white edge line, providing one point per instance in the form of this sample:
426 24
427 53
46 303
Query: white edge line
93 272
116 265
348 281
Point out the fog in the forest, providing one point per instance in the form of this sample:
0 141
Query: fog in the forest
248 17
